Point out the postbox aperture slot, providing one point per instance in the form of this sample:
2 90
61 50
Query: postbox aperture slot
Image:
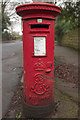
38 26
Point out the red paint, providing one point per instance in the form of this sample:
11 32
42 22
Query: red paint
38 70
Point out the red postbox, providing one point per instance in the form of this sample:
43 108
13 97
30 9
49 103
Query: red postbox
38 54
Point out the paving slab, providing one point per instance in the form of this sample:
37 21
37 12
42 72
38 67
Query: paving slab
66 55
66 108
67 88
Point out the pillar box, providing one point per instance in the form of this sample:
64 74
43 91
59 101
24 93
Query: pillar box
38 54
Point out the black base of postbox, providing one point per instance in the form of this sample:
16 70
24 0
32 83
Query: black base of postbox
37 111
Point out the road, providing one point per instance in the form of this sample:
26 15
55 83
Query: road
0 81
11 69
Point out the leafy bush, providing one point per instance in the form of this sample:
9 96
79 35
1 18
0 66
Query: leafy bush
68 20
8 36
61 28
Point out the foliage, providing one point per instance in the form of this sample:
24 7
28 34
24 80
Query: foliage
19 116
5 18
8 10
5 22
68 20
8 36
71 12
60 29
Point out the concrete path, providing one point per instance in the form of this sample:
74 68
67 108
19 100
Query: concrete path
67 88
66 93
66 55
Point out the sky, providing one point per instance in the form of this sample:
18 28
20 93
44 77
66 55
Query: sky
17 25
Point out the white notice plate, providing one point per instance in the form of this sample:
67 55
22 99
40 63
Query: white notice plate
39 45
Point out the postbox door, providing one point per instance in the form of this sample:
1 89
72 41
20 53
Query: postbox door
43 55
38 67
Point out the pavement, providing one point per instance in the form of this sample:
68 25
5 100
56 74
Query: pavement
67 88
66 55
12 65
64 92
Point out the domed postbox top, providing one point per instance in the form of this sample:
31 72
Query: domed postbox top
39 9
